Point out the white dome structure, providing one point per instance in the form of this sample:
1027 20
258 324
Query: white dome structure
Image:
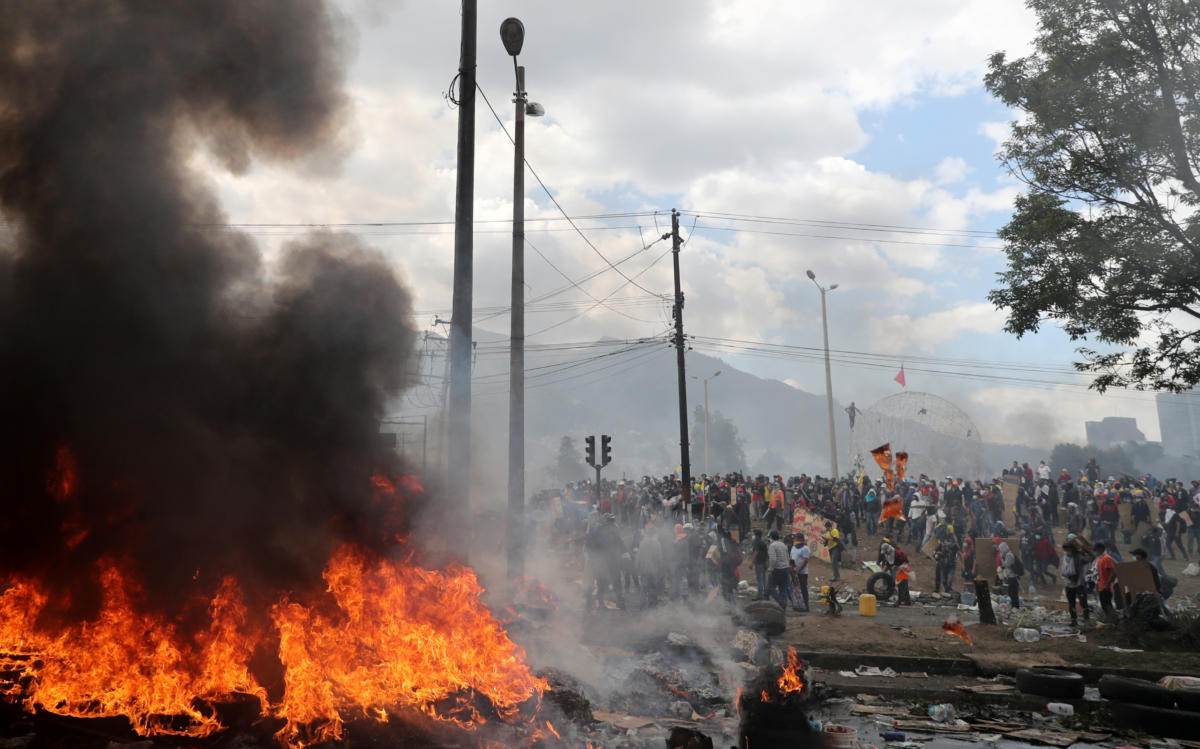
939 437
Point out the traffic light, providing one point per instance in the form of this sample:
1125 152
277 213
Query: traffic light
591 450
605 449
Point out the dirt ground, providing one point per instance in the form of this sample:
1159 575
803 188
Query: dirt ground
922 634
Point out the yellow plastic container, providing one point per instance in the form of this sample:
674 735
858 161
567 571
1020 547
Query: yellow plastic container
866 605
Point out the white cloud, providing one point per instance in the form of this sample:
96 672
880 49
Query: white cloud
950 170
905 333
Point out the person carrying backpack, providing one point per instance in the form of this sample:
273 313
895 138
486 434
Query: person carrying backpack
1075 560
1010 571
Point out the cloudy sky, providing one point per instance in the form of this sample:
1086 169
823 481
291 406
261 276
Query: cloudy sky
851 138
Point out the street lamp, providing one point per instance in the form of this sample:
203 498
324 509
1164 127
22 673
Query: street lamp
512 34
833 467
705 381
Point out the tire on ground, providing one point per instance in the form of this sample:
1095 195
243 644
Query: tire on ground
1187 699
884 580
1158 721
1050 682
1137 691
765 616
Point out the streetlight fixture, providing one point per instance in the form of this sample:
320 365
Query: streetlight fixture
705 381
512 34
833 466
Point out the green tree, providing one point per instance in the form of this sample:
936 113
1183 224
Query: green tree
1113 461
1106 240
726 447
568 467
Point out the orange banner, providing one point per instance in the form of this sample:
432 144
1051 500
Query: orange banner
892 508
901 464
883 456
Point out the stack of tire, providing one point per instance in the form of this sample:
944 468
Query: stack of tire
1140 705
1050 682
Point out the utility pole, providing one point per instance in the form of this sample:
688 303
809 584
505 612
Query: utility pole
833 466
685 462
458 439
512 34
516 337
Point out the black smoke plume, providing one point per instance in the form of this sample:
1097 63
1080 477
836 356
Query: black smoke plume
167 399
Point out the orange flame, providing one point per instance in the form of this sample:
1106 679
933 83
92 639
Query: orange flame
403 636
792 679
388 636
130 664
956 628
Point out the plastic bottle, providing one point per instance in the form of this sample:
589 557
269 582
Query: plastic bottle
943 713
891 736
1061 708
1026 634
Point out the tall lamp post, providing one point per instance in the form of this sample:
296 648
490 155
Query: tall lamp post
512 33
833 467
705 381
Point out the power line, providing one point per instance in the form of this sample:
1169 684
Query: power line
554 200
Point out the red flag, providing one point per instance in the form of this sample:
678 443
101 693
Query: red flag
900 377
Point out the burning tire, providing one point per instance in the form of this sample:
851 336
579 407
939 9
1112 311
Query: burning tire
1050 682
881 579
1187 699
766 616
1159 721
1136 691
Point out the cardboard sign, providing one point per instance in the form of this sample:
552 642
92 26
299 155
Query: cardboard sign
1126 514
985 556
812 527
1135 577
1008 492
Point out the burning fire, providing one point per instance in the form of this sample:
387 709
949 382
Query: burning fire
954 627
791 680
385 636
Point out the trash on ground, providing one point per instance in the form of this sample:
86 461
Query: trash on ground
1180 682
1042 736
987 688
1061 708
1026 634
874 671
942 713
1192 570
1116 649
878 710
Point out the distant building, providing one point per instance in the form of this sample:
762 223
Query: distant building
1179 421
1113 430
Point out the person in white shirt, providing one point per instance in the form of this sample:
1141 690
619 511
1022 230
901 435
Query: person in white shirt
1043 471
916 520
777 568
800 556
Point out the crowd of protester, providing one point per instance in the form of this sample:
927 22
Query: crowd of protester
641 537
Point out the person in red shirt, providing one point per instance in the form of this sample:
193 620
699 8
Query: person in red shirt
1106 569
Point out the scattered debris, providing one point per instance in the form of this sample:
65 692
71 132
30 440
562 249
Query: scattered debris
943 713
874 671
987 688
878 710
1116 649
1043 736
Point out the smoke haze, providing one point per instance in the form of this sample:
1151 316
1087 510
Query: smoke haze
164 396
